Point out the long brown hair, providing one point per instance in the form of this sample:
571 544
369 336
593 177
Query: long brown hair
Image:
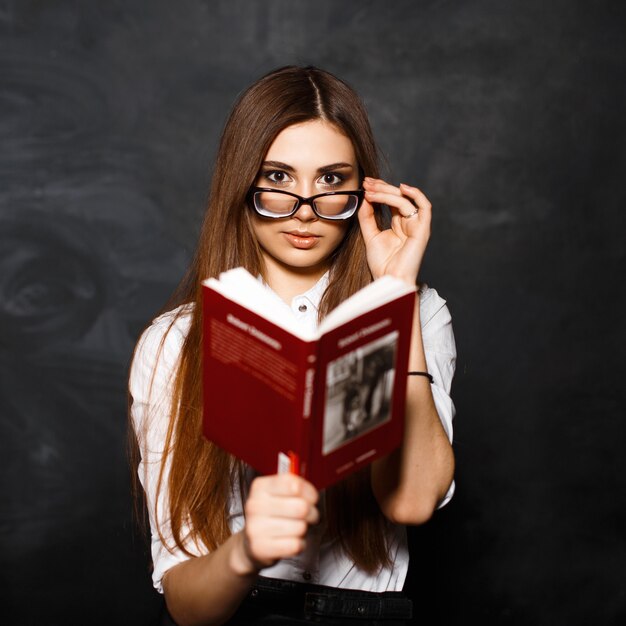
201 474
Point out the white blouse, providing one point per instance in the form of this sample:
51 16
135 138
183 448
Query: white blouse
322 563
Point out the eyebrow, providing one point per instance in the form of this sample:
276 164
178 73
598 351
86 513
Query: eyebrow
321 170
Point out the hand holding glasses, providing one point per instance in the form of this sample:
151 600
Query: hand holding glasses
332 205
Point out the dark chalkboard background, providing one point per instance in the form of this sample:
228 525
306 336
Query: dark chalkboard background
510 115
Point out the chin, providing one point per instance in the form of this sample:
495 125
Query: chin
304 263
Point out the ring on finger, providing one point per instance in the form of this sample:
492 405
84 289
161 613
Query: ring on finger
406 217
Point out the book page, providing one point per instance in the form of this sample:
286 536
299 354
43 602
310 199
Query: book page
383 290
241 287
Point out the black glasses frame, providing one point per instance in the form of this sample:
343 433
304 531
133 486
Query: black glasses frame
359 193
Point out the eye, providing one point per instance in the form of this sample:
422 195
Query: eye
277 177
331 179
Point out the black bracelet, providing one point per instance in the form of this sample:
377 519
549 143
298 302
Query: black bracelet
426 374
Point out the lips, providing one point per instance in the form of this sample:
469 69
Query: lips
301 240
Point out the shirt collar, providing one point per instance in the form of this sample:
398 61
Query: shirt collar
315 293
305 306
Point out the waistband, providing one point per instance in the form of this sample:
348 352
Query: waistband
279 601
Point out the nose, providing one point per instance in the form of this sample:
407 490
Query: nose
305 212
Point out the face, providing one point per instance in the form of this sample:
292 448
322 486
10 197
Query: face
305 159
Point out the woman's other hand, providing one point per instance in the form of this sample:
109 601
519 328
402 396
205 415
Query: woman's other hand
399 250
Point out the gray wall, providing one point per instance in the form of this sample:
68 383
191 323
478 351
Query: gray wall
508 114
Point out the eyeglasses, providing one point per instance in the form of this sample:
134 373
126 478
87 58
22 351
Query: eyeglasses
332 205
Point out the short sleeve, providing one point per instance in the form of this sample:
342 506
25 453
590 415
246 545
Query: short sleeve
151 379
440 352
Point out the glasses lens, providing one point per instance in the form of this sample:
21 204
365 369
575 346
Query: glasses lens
337 207
273 204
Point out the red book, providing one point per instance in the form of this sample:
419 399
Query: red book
321 404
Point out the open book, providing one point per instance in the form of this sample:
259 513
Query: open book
319 403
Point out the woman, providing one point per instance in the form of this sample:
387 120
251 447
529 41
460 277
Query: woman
223 539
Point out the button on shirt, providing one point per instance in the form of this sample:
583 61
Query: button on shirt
305 306
322 562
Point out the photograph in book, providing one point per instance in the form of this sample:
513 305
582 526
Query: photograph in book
359 391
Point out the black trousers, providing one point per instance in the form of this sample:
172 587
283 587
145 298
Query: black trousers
273 601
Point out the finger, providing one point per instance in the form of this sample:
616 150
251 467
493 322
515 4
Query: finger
285 485
367 221
418 196
403 204
288 546
268 551
377 184
270 497
275 528
263 550
281 508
